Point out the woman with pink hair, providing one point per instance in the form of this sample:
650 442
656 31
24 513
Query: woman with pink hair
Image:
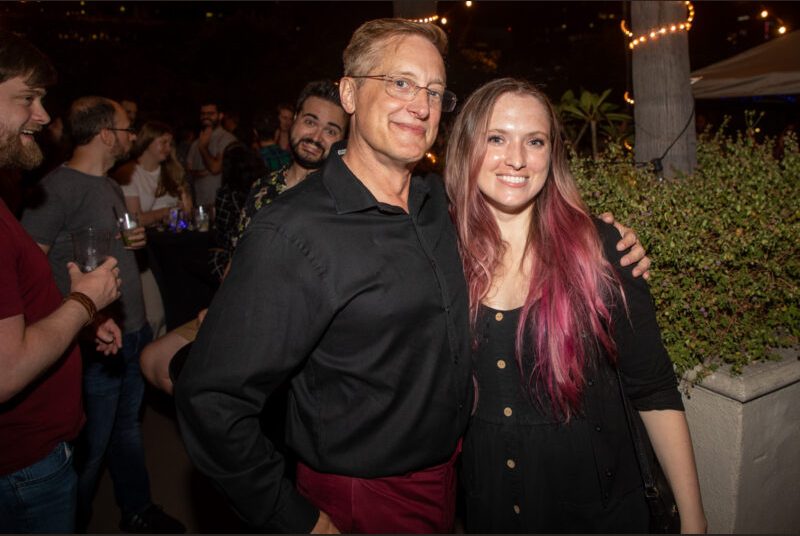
548 448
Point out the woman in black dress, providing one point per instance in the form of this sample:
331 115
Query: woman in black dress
548 448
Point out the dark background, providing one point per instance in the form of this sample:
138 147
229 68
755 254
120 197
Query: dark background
168 56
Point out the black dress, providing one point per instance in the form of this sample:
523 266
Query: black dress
524 470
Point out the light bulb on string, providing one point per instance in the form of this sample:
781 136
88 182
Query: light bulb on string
655 33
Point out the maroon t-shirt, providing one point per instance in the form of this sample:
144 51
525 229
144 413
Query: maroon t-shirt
49 409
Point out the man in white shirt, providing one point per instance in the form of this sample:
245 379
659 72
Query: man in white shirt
204 161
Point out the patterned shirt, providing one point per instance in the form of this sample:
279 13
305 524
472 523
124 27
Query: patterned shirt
275 157
262 193
228 207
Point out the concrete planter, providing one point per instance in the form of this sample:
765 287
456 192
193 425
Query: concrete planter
746 434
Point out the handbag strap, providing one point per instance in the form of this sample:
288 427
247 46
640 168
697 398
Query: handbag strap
650 489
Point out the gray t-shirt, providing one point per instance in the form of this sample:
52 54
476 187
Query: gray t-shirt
205 187
74 201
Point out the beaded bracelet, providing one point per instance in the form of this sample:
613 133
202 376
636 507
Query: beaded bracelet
87 303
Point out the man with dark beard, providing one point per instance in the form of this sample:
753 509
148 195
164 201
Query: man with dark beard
80 194
40 385
204 160
320 122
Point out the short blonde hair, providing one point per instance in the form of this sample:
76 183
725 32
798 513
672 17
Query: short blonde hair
364 50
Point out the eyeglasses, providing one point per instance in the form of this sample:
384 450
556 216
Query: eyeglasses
405 89
129 130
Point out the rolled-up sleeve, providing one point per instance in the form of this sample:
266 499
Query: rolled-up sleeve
262 324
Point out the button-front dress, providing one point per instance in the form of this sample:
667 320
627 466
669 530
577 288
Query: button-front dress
524 470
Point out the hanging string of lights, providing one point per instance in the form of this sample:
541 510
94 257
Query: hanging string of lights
432 18
655 33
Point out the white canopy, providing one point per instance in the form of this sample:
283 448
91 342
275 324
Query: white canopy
769 69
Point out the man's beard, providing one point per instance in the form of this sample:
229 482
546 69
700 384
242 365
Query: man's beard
303 162
119 152
14 154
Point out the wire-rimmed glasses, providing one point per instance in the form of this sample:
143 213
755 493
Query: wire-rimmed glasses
405 89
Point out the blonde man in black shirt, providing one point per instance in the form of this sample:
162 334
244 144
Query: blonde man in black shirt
351 285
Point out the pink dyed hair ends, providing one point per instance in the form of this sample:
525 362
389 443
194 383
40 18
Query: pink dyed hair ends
566 315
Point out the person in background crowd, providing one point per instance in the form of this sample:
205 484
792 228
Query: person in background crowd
285 115
351 285
79 194
40 385
241 166
204 160
266 126
320 122
231 119
154 182
548 449
131 110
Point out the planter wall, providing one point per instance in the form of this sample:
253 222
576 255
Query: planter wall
746 434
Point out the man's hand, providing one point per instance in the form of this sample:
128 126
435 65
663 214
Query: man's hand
630 240
108 337
204 138
324 525
100 285
137 238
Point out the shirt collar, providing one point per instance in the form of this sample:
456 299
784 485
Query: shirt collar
350 195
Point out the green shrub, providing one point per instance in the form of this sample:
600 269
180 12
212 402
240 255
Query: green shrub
724 243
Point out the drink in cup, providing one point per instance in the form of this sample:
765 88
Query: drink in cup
127 223
202 219
91 247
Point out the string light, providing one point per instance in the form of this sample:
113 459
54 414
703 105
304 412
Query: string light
432 18
628 98
431 157
782 30
655 33
468 3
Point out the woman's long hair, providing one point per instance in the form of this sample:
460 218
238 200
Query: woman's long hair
566 314
173 176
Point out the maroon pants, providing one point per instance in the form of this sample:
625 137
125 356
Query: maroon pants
419 502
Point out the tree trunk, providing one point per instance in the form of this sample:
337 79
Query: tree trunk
664 103
594 140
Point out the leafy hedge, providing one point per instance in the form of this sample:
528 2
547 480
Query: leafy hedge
725 243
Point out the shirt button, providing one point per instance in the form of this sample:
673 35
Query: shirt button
597 428
609 474
516 509
589 383
501 364
511 463
507 412
498 317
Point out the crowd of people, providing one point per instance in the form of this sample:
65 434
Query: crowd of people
417 331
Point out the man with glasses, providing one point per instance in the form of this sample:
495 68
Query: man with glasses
351 284
79 195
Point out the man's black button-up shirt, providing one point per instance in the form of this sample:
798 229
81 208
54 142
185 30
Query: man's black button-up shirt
365 307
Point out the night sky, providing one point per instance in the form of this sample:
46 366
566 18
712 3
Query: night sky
251 55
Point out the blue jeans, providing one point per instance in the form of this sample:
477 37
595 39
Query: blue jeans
113 388
41 497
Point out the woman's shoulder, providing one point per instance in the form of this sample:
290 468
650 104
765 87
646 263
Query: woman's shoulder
609 236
